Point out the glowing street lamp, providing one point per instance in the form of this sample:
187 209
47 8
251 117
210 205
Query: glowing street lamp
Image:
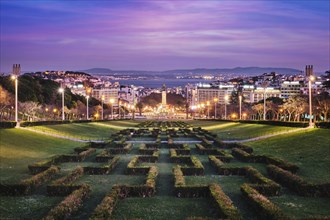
226 100
111 102
102 99
61 90
215 107
88 91
16 72
244 116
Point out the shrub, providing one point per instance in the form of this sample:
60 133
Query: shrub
7 124
265 208
297 184
223 203
69 205
105 208
27 186
104 169
44 164
40 178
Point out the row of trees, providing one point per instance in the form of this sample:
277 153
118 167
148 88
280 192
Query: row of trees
39 99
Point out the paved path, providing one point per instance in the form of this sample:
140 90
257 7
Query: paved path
264 136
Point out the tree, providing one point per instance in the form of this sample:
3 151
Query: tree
323 103
139 106
29 109
259 109
6 101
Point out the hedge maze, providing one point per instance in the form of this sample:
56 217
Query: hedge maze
151 165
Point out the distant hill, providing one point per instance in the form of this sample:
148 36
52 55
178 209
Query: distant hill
97 71
238 70
171 73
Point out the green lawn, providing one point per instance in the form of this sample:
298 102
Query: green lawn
18 148
87 131
162 207
309 149
239 131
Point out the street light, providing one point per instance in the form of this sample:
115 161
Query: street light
226 99
208 108
102 98
111 102
16 72
119 109
61 90
240 107
215 107
87 115
310 79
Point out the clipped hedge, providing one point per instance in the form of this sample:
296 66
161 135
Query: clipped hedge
69 205
246 157
27 186
104 169
297 184
223 203
105 208
7 124
263 207
44 164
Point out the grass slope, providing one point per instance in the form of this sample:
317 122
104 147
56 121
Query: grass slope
309 149
86 131
18 148
239 131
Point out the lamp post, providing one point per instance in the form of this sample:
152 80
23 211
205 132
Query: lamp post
61 90
264 104
119 109
111 102
87 115
208 108
88 91
310 79
226 99
240 107
102 99
215 107
16 72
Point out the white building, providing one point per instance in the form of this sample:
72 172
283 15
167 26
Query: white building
291 88
253 95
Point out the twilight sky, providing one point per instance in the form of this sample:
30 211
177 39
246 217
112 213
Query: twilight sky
162 35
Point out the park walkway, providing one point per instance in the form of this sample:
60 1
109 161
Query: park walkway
181 142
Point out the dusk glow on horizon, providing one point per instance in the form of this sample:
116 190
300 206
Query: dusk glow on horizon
164 35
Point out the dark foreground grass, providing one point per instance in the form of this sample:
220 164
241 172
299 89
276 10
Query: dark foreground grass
162 207
19 148
302 207
309 149
27 207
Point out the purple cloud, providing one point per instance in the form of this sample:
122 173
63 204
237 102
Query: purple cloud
159 35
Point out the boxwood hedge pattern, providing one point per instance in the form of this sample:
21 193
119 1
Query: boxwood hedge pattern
185 160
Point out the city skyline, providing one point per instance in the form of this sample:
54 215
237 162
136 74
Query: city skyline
163 35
